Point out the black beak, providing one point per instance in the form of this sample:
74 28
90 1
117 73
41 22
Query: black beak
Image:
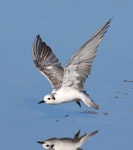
40 142
41 102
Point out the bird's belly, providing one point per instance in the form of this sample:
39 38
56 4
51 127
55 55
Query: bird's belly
66 145
68 95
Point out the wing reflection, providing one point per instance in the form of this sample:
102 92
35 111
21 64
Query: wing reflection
67 143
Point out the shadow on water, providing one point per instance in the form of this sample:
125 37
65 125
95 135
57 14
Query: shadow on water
67 143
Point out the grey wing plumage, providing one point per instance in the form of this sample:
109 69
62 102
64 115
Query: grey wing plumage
47 63
79 66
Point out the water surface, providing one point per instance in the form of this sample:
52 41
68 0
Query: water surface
65 26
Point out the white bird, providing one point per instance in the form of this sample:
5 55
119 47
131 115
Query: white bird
66 143
68 83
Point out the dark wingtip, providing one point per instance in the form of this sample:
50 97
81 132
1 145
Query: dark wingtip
110 19
94 132
38 36
108 22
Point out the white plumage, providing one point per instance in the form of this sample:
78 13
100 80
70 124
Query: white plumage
67 143
68 83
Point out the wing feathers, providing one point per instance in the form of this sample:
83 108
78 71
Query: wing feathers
79 66
47 63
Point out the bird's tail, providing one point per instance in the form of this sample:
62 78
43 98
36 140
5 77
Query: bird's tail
85 137
88 101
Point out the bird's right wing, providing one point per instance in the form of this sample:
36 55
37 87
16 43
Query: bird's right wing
79 66
47 63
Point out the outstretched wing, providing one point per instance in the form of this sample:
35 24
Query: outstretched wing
47 63
79 66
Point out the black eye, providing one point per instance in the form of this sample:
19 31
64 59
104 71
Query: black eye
48 98
47 145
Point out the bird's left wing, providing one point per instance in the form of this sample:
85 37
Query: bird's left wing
79 66
47 63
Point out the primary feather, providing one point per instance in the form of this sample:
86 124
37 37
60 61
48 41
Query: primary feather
47 63
79 66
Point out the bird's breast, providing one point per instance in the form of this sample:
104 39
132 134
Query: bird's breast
67 95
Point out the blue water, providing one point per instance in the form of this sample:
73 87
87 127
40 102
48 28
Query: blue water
23 121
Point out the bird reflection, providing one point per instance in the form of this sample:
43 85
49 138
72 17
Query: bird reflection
67 143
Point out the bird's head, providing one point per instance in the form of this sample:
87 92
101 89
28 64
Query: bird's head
48 99
48 145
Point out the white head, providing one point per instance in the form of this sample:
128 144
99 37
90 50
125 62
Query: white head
49 99
48 145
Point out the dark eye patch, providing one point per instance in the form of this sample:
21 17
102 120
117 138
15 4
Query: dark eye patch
52 146
53 98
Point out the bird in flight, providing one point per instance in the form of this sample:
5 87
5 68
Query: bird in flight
68 82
